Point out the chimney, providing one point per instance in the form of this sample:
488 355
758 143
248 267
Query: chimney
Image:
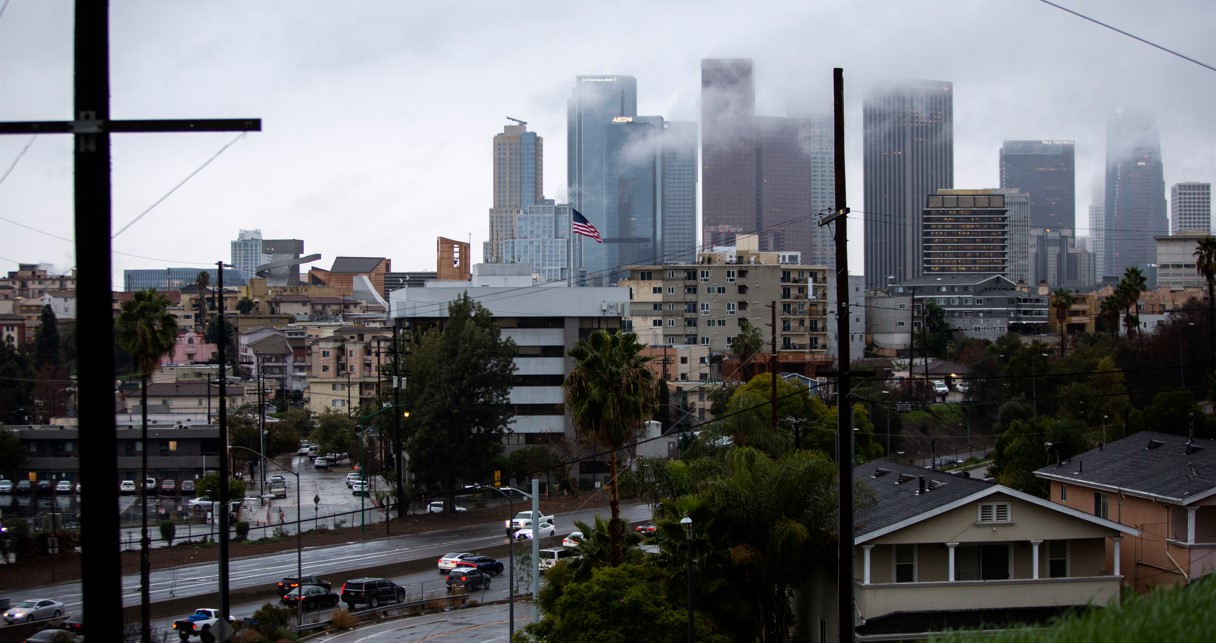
922 485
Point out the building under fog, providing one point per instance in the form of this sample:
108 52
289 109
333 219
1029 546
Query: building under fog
1135 193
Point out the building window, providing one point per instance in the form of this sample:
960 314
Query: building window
705 275
325 368
656 290
645 275
671 323
704 342
324 353
1101 505
1063 493
656 322
338 403
1057 559
981 562
730 308
705 308
905 563
671 290
730 276
990 512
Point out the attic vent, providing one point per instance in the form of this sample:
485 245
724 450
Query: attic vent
903 477
880 472
934 484
1153 444
1191 448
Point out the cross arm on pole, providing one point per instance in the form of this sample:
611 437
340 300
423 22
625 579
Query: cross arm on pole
132 126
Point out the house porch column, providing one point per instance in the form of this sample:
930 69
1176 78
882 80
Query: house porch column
1190 525
1116 540
1035 558
866 565
951 547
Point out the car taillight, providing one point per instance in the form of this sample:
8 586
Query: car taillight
343 590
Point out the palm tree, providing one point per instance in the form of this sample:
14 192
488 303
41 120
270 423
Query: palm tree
1132 285
609 393
1109 308
147 330
203 281
1061 302
1205 264
746 345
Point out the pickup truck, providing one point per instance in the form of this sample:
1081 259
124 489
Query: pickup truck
199 624
525 519
291 582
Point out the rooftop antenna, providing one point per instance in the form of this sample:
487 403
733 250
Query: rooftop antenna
524 123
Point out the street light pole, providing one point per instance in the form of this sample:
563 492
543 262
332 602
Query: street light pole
510 560
687 522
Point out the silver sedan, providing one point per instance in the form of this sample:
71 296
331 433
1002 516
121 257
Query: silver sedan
35 609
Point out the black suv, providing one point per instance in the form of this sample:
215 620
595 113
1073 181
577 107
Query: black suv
372 592
468 579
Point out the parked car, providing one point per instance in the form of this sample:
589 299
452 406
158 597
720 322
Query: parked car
646 529
313 597
353 477
51 636
150 484
187 487
44 485
35 609
448 561
467 579
168 486
484 563
276 478
321 462
372 592
437 507
573 540
6 486
63 486
126 486
74 623
940 387
550 557
23 486
545 530
360 488
304 447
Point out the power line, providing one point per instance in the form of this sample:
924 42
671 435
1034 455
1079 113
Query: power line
1129 35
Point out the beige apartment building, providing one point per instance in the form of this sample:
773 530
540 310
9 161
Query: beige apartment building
704 303
344 369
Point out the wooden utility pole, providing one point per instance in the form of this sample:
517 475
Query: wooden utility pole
844 454
773 365
91 126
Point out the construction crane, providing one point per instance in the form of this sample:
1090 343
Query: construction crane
524 123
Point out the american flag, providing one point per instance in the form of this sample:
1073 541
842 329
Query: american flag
583 226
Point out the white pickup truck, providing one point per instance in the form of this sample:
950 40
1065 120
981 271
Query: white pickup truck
525 519
204 623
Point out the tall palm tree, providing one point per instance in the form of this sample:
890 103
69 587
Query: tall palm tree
147 330
1132 284
1109 308
609 393
1061 302
746 345
1205 264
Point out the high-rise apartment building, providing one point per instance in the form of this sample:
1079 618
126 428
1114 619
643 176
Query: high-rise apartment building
1135 193
965 232
762 175
518 182
594 104
1190 207
1046 171
908 154
728 151
247 253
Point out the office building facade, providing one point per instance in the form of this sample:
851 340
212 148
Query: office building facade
1135 193
518 182
907 154
541 238
728 151
1191 207
247 253
163 279
965 232
1046 172
678 242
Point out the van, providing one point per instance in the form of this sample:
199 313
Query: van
550 556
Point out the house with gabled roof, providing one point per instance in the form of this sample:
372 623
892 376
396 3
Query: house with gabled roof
1163 485
935 551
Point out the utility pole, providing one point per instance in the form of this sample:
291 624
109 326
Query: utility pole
844 456
224 498
91 128
397 426
772 367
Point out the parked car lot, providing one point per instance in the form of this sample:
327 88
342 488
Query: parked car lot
126 486
187 487
168 487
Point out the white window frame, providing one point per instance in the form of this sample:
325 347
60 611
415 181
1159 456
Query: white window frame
730 308
705 308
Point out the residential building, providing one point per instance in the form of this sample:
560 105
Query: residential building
1046 172
1175 260
978 306
1135 193
935 552
1161 483
545 321
518 183
32 280
965 232
704 303
347 368
175 278
594 104
192 347
247 253
12 329
907 153
183 397
1191 207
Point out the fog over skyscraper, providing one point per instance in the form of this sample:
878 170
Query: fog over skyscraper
1135 193
1046 171
907 154
728 151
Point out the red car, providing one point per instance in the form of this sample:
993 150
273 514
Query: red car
647 529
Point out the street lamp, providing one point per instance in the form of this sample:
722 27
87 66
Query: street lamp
510 560
687 523
362 470
299 522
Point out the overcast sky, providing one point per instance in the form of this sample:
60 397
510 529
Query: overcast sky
378 115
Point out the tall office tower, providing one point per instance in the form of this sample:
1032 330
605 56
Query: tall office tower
1097 230
1018 204
518 181
1135 193
728 151
247 253
907 154
1046 171
965 232
795 181
594 104
678 241
541 238
1190 207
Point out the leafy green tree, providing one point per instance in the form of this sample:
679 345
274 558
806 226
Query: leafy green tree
719 397
335 433
460 375
529 462
209 487
16 394
245 305
47 348
1028 445
1061 303
12 452
746 345
748 418
609 393
1129 289
1174 412
1108 311
168 531
936 334
147 330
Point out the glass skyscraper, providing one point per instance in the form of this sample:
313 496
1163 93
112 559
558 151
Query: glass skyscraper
540 237
1046 171
518 183
1135 193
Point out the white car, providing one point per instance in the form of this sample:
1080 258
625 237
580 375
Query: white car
126 486
353 477
6 486
63 486
359 488
448 561
940 387
437 508
546 530
573 540
34 610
